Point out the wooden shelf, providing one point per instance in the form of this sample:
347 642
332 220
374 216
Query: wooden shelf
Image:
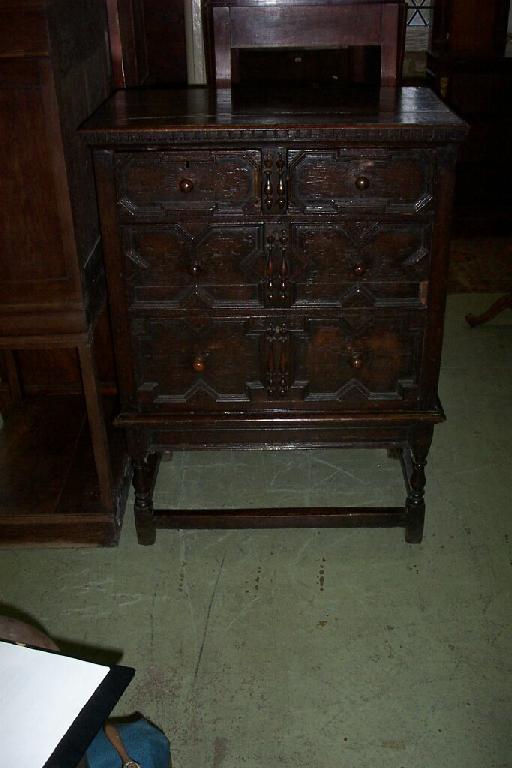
49 493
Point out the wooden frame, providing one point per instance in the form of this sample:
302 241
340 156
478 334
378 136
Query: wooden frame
240 24
83 345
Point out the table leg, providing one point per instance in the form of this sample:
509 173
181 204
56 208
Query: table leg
504 302
415 503
96 418
144 476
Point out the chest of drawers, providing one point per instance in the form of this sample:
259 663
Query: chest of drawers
277 279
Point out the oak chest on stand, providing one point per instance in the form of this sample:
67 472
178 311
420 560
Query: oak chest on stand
277 275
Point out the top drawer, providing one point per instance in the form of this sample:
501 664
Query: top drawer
331 180
152 184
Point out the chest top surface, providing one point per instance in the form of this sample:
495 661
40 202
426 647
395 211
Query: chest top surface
203 114
275 3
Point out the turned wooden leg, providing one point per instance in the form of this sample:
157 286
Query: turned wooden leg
415 502
144 475
505 302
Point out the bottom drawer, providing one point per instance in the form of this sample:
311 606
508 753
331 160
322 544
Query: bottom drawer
303 362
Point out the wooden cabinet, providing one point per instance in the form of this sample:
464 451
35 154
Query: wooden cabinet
469 28
277 279
54 71
468 68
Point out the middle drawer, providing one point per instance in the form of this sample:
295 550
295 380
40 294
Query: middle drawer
337 263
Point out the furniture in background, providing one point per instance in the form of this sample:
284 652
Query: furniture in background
164 23
147 42
128 45
58 481
469 28
233 25
468 68
496 308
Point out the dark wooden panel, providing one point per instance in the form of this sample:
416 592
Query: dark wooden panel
236 25
309 68
359 263
150 186
470 27
23 30
127 42
52 286
49 220
58 370
285 26
38 256
221 361
194 116
220 264
347 263
164 22
48 484
338 179
41 439
360 357
185 361
80 59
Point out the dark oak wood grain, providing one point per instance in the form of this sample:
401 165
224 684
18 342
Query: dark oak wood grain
54 71
49 490
468 28
127 36
239 24
277 277
468 67
336 117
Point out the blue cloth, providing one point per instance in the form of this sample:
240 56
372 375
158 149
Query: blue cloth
144 743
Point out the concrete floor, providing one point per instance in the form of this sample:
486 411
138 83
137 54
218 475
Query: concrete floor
325 648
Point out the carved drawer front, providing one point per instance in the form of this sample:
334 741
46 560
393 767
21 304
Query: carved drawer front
335 180
152 184
360 357
196 362
215 363
191 264
360 263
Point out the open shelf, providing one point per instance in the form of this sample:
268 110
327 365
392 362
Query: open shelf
49 493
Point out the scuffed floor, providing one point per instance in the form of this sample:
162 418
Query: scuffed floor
324 648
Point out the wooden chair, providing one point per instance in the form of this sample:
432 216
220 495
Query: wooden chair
237 24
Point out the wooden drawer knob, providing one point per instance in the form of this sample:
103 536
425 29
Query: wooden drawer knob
356 361
186 185
198 364
359 269
195 269
362 182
